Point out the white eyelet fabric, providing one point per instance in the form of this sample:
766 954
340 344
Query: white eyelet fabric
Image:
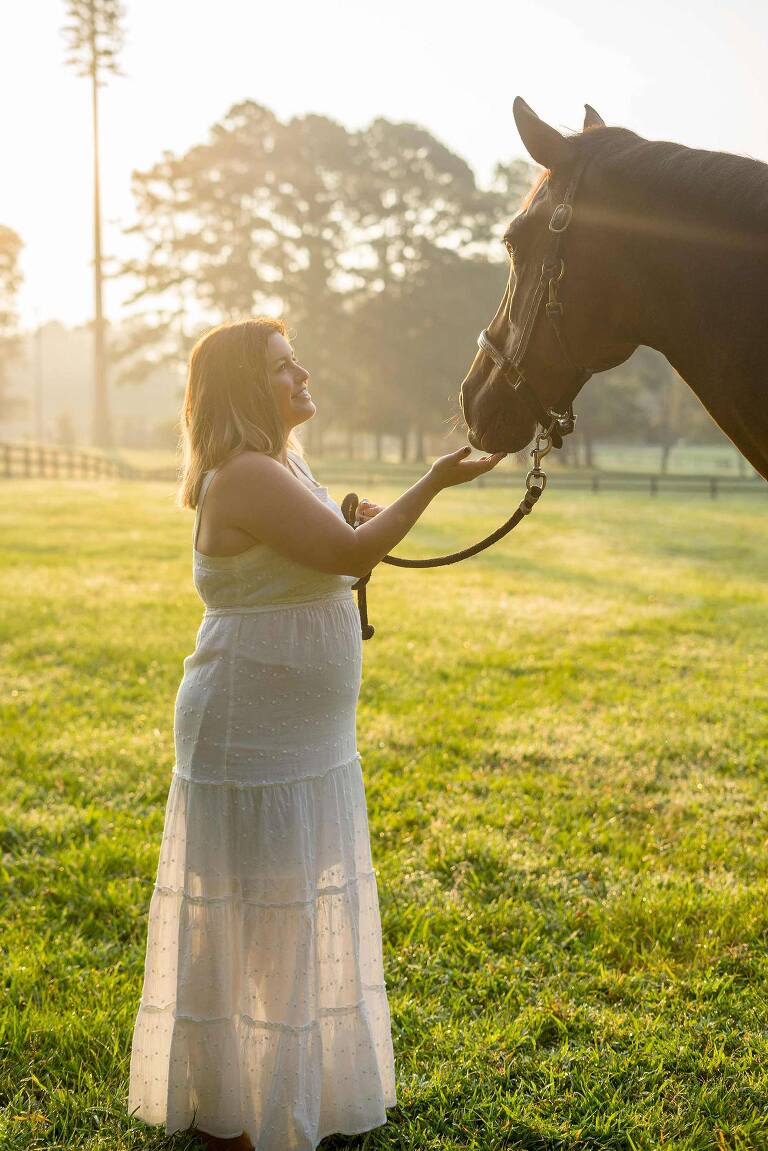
264 1007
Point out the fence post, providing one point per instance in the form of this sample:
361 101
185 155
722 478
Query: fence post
713 488
595 483
654 485
7 472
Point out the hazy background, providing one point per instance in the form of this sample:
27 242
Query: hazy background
686 71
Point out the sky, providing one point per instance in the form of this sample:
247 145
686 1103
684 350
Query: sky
692 71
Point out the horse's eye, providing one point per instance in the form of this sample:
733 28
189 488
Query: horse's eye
508 246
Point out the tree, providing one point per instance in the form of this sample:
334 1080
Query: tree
246 221
642 399
10 279
94 36
66 432
513 181
676 413
413 343
429 258
377 245
615 404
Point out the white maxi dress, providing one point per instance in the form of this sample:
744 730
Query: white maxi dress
264 1007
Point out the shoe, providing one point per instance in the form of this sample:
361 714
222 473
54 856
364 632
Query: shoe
215 1143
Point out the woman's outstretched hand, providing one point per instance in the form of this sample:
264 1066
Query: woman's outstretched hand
366 510
455 468
448 470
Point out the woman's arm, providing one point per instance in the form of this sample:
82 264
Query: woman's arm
261 497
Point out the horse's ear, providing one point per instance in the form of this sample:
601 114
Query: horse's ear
545 144
592 119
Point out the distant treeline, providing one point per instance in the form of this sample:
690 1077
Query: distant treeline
383 253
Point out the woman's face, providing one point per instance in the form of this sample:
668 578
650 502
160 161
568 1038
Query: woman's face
289 382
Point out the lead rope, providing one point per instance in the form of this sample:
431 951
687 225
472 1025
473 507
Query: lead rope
535 482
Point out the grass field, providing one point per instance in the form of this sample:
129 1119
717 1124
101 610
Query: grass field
564 743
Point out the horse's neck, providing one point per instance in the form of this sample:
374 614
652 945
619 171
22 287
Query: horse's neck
721 353
678 251
709 320
704 307
735 395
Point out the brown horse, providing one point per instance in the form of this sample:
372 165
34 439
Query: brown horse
626 241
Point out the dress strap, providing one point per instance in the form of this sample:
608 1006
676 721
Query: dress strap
300 463
207 477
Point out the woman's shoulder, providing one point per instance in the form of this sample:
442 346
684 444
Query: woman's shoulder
238 474
251 464
247 460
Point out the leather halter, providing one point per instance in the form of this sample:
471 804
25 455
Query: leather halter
555 424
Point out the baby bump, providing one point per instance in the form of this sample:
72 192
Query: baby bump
270 696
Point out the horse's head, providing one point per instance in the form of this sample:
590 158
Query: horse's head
551 329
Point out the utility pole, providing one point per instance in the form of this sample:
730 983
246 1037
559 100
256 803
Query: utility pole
38 405
95 37
101 430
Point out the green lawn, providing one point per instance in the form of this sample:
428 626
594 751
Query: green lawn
564 743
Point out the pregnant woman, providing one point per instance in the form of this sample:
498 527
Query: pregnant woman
264 1019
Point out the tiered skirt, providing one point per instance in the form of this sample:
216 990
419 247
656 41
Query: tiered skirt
264 1007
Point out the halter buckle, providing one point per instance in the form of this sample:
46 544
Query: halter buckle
561 218
553 273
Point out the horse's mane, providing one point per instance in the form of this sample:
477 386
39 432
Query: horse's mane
735 187
542 176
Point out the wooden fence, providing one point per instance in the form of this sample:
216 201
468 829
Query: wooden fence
355 474
45 461
653 484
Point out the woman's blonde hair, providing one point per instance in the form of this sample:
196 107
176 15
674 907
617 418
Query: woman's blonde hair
229 405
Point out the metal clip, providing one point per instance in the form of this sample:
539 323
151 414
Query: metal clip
537 452
535 478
